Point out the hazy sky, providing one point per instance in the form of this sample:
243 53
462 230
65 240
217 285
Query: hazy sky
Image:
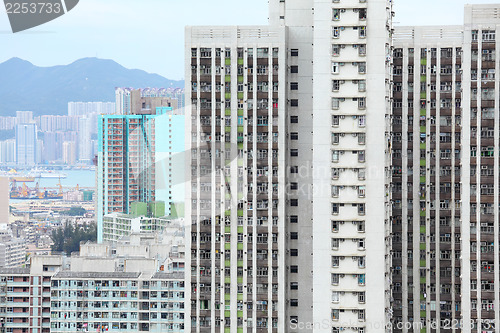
149 34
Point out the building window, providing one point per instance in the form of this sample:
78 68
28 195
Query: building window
294 202
336 50
335 138
335 261
335 208
362 32
294 119
335 156
335 243
294 86
335 103
294 102
335 226
335 120
294 269
294 52
335 297
335 314
294 69
294 152
294 286
335 68
294 219
335 32
294 302
294 136
335 85
335 14
361 209
294 252
294 235
335 191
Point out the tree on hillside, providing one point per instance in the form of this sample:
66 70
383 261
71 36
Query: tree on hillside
67 239
75 211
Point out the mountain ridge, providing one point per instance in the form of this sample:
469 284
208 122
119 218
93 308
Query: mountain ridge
47 90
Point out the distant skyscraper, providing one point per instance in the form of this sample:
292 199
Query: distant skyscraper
39 151
133 158
86 108
26 144
8 123
84 143
128 99
69 152
24 117
50 146
8 151
51 123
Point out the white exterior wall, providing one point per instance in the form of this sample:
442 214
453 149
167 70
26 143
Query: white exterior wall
376 127
233 38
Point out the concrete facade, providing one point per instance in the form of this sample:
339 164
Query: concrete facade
134 285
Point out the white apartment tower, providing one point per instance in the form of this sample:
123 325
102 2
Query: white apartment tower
237 189
446 173
289 198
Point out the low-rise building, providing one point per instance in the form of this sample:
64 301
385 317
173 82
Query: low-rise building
12 249
135 284
117 301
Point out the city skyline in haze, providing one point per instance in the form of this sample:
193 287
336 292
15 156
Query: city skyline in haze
109 29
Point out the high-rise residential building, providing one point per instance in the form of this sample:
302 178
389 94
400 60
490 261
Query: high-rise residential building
8 151
445 173
12 249
87 108
128 99
125 163
84 143
52 123
135 162
69 152
51 148
8 123
236 200
284 248
26 144
24 117
136 285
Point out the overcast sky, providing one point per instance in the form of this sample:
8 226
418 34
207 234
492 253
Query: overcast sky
149 34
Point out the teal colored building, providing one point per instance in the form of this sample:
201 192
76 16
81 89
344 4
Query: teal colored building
135 161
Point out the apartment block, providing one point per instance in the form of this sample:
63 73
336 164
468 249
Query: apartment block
69 152
129 100
426 173
136 284
86 108
117 301
26 144
445 173
125 163
117 225
236 188
333 62
25 296
135 162
8 151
